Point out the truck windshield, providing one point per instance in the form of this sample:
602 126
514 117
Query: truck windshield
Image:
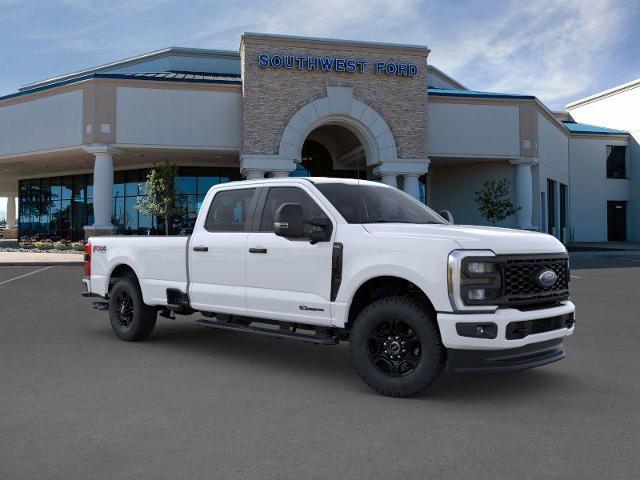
367 203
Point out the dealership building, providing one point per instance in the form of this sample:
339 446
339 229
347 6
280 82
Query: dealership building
75 149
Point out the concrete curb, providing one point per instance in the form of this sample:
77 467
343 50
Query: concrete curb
41 264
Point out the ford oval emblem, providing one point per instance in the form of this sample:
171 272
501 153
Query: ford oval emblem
547 278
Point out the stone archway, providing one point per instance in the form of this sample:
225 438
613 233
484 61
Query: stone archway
339 107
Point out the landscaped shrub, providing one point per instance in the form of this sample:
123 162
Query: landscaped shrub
35 243
43 245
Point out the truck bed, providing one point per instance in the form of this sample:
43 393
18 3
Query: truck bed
158 262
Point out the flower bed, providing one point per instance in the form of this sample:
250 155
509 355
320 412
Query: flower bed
35 244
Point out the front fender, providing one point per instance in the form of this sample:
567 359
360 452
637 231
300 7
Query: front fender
426 268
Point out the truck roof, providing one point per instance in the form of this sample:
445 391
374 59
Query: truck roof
346 181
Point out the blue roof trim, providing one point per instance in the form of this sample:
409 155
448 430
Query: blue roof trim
444 92
225 80
585 128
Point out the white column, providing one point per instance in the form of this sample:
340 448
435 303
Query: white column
254 165
254 174
411 185
390 179
524 192
11 212
102 188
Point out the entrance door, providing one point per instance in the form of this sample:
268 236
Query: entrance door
617 221
288 279
218 253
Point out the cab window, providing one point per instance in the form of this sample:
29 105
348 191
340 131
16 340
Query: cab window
230 211
279 195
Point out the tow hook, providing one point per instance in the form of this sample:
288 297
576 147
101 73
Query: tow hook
102 306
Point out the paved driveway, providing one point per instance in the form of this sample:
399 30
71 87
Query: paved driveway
76 403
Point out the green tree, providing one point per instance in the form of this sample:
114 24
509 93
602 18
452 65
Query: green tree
161 198
494 201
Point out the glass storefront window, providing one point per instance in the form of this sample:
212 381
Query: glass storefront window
186 184
118 184
131 185
130 216
60 207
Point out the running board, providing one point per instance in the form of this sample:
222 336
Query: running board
102 306
317 339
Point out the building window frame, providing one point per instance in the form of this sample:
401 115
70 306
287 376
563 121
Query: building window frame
616 163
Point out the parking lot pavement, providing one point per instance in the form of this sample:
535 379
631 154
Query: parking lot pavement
76 403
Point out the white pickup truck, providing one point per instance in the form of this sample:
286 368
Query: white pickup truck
325 260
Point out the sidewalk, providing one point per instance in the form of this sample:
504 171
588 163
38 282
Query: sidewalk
38 259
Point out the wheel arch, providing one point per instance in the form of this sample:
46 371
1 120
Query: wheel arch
381 286
120 270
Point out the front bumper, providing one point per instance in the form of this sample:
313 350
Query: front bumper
501 318
529 356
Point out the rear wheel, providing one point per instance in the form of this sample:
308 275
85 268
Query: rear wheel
131 319
396 347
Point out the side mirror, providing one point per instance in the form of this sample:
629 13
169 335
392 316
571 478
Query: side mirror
321 230
446 214
289 221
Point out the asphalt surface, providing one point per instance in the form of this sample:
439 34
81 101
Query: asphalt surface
77 403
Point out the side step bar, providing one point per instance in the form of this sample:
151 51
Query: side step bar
102 306
317 339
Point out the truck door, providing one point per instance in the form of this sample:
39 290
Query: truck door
288 279
218 253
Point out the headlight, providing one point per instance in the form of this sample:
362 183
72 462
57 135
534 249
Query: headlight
479 267
474 280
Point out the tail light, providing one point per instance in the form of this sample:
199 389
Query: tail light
87 260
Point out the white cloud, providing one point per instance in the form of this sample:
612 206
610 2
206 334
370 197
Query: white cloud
545 48
548 48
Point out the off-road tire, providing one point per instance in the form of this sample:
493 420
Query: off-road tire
136 321
416 332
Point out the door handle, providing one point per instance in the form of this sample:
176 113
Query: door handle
200 248
257 250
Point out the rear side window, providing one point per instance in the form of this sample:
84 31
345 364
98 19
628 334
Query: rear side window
279 195
230 211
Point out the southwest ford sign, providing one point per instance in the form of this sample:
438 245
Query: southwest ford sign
334 64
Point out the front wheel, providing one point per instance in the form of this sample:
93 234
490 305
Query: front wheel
396 347
131 319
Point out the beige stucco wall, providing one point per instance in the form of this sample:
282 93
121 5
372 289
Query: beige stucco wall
272 96
50 122
473 129
590 189
178 117
619 110
453 188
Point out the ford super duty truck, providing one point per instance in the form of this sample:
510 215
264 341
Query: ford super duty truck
325 260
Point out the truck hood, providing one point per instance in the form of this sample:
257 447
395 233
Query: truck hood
471 237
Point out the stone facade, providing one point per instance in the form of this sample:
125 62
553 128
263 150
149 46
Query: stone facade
272 96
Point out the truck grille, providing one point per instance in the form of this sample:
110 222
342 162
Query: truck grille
519 284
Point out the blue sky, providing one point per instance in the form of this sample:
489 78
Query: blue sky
557 50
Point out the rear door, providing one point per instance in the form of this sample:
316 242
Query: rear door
617 221
218 252
288 279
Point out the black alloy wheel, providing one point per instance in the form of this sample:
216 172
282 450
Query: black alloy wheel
131 319
124 310
394 348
